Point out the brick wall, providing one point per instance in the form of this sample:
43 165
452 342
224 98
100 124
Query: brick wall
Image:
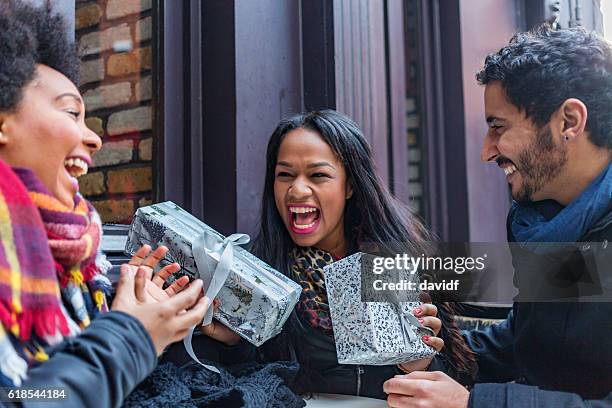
114 43
416 171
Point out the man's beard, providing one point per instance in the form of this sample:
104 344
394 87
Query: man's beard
538 164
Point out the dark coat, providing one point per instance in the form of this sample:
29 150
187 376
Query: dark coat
557 354
320 370
98 368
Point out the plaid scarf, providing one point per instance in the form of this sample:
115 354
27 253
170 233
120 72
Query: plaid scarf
48 253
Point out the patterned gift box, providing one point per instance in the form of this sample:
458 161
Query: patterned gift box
370 333
256 300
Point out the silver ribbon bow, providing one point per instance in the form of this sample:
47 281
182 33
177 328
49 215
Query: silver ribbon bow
214 259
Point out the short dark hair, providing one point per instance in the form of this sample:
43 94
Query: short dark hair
542 68
29 36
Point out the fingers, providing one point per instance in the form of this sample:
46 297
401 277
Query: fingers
144 258
153 259
426 309
402 385
140 255
400 401
187 297
125 287
177 286
425 375
194 315
162 276
435 342
433 323
139 285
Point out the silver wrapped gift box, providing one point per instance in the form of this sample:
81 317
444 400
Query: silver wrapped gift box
256 300
371 333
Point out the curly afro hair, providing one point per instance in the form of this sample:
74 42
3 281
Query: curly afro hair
542 68
30 36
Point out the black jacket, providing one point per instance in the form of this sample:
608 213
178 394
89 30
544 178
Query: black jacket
98 368
557 354
320 371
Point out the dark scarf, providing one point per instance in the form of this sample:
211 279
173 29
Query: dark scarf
548 221
307 271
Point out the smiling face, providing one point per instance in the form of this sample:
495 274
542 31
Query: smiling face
310 190
533 160
47 134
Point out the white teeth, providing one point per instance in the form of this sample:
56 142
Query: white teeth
302 210
81 166
298 226
509 170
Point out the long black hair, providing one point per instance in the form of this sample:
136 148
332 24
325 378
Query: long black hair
373 218
372 214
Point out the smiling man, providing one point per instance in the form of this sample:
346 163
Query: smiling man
548 99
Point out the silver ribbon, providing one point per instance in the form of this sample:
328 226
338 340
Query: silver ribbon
214 259
407 320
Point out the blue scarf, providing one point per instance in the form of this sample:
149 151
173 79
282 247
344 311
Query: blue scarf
548 221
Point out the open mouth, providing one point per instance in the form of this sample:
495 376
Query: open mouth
304 218
76 166
507 166
509 169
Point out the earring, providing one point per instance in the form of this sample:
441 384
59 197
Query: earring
1 136
566 138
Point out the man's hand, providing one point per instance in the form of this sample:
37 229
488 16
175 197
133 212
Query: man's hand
425 390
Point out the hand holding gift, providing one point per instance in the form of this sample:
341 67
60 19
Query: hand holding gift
381 332
256 300
426 313
218 331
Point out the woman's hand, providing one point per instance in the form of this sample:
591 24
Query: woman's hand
146 260
168 320
219 332
426 313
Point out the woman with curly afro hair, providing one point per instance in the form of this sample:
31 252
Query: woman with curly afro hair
56 330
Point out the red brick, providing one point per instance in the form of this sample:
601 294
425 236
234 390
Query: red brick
129 62
117 211
131 180
87 16
92 184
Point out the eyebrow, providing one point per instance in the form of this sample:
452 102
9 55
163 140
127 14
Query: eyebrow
310 166
70 95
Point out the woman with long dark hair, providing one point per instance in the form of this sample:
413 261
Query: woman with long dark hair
323 201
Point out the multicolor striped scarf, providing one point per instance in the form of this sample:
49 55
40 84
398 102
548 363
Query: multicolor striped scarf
51 272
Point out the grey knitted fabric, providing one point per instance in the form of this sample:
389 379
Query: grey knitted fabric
248 385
